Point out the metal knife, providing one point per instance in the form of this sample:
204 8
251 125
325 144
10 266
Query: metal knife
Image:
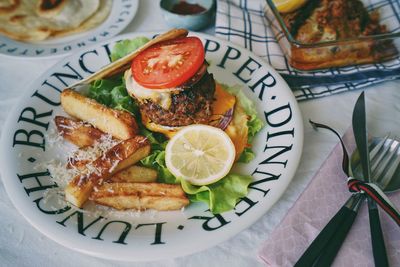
361 138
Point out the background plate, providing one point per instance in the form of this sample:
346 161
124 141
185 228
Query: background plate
121 14
26 150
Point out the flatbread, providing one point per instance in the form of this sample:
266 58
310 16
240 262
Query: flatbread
28 20
96 19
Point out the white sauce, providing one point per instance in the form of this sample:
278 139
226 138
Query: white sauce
161 97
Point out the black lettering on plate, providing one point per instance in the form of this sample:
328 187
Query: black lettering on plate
80 222
50 212
33 116
74 75
26 139
125 232
228 55
244 201
46 99
211 223
247 66
266 177
36 177
108 51
52 86
157 235
82 61
266 81
279 116
211 46
276 134
281 150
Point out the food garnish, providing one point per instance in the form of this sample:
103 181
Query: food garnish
200 154
169 63
185 135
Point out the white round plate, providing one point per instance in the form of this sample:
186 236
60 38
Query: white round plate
121 14
150 235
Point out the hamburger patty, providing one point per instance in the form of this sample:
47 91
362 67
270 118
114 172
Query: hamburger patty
190 106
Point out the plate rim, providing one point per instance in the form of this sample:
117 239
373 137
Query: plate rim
75 50
21 206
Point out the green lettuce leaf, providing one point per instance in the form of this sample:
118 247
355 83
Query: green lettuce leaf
247 155
156 160
112 93
221 196
100 90
124 47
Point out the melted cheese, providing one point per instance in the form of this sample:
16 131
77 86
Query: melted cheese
162 97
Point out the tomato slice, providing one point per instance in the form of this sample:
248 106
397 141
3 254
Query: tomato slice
168 64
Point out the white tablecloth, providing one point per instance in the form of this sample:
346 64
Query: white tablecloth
22 245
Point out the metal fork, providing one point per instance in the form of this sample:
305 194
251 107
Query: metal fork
326 245
390 164
383 158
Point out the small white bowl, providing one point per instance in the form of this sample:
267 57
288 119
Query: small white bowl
192 22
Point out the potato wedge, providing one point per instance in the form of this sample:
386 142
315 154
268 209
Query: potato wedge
78 132
73 163
120 124
140 196
85 155
119 157
135 174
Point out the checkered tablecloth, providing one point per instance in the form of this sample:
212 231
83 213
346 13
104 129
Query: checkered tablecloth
243 22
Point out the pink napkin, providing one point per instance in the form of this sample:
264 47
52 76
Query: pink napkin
323 197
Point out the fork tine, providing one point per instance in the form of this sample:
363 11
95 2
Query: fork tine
377 162
381 171
391 167
376 149
374 157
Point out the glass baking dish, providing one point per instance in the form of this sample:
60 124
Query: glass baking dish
342 52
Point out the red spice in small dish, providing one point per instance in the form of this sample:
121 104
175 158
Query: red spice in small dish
184 8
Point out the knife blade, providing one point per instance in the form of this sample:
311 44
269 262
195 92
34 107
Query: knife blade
361 138
360 135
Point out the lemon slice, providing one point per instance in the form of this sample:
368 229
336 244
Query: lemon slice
200 154
287 6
